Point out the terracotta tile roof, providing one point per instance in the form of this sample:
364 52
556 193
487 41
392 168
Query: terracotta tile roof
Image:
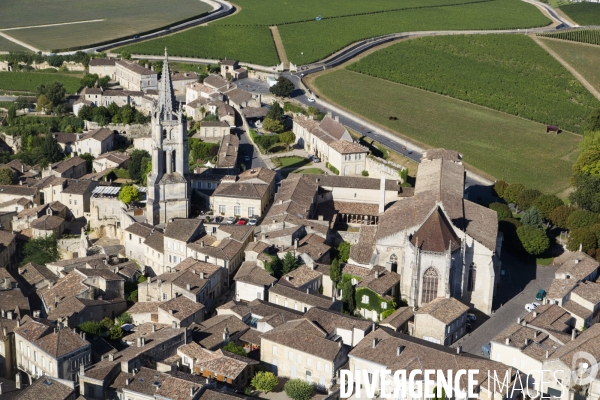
262 310
207 124
255 112
332 127
47 222
436 234
241 190
346 147
251 273
18 190
56 344
66 138
13 300
314 246
103 273
70 286
238 96
224 363
300 276
215 81
329 320
362 251
182 307
443 309
100 134
228 151
78 186
398 318
140 229
179 385
135 67
559 288
47 388
65 165
226 249
184 76
183 229
313 300
144 307
381 281
211 394
444 154
538 342
589 291
156 241
237 232
209 334
74 305
551 318
79 261
102 61
260 174
35 273
588 341
578 265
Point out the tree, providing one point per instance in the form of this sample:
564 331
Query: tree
512 192
583 237
137 164
343 251
560 215
115 332
532 217
287 137
546 203
42 250
335 271
22 102
283 87
102 82
275 112
86 113
592 123
51 149
290 263
129 194
588 162
54 91
264 381
527 197
348 296
581 219
89 80
271 125
235 349
509 228
89 160
133 296
533 240
90 327
127 114
499 188
587 192
274 267
297 389
12 114
210 117
502 210
7 177
43 104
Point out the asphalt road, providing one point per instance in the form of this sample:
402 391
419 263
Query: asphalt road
247 149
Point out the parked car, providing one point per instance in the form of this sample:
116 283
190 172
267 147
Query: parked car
246 158
252 221
316 159
540 295
231 220
529 307
311 100
242 221
472 317
218 219
486 349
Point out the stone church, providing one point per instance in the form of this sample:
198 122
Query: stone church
441 244
168 184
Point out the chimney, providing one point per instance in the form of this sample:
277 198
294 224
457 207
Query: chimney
111 357
153 328
535 334
526 341
84 334
226 335
337 118
4 332
81 370
507 341
127 381
534 314
147 66
547 353
307 291
374 342
56 300
296 244
18 380
2 313
373 327
9 315
139 342
340 344
143 341
18 323
174 324
192 391
264 236
287 278
202 275
573 334
202 243
399 350
188 287
0 388
458 349
171 311
519 320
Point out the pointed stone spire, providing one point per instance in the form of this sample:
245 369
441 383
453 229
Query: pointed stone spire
166 97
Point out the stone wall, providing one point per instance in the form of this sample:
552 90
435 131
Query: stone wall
379 167
14 142
129 131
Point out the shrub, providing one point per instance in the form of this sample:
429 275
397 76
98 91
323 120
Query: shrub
512 192
90 327
235 349
297 389
502 210
534 240
532 217
560 215
365 173
129 194
584 237
332 168
6 176
527 197
499 188
582 219
264 381
546 203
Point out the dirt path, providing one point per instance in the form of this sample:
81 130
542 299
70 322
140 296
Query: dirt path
279 45
12 39
48 25
569 68
565 16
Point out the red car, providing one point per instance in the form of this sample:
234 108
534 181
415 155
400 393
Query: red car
242 221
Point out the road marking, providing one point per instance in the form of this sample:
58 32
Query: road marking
49 25
279 46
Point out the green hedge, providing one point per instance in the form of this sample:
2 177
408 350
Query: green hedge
332 168
375 301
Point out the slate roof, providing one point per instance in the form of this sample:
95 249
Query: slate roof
436 234
398 318
443 309
47 222
250 272
100 134
182 229
140 229
182 307
156 241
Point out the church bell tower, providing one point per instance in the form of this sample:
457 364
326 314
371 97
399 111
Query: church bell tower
168 187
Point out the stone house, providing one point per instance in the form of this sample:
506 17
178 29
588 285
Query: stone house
74 310
96 142
348 157
224 111
36 277
24 218
217 331
198 281
8 249
212 130
300 349
250 195
76 195
178 234
399 320
303 278
231 369
182 79
17 192
105 210
103 67
42 349
153 384
252 282
62 268
179 310
15 205
155 256
350 329
218 83
74 168
47 387
240 98
133 76
574 268
66 141
8 365
113 159
228 153
442 321
231 69
48 225
259 314
134 237
300 300
584 305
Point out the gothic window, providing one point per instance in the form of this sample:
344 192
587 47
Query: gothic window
164 135
430 285
394 262
472 277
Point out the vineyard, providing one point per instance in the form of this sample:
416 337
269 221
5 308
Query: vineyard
501 145
590 36
583 13
508 73
29 81
7 45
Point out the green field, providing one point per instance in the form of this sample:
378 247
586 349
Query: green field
589 36
584 58
583 13
120 19
29 81
304 42
7 45
509 73
246 43
501 145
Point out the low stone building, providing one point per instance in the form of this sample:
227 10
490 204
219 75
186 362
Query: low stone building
252 282
48 225
74 167
250 195
300 300
133 76
179 310
96 142
212 130
442 321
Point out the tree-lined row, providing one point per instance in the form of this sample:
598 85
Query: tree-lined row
590 36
